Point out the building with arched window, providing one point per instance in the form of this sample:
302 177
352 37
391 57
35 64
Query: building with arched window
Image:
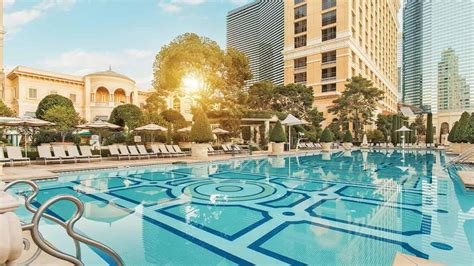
94 95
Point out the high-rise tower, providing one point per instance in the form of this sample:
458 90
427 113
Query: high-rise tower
329 41
256 29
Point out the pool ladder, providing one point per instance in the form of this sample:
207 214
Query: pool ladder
43 244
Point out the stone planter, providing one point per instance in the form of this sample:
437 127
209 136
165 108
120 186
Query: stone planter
199 151
347 145
270 147
185 144
278 148
326 146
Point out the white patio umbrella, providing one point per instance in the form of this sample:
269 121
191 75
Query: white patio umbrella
365 143
290 121
26 122
151 128
99 124
219 131
403 129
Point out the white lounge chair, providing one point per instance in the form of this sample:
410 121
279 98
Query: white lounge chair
178 150
211 151
134 152
156 149
59 152
164 151
124 151
171 149
73 151
114 152
44 153
14 155
86 151
3 159
142 150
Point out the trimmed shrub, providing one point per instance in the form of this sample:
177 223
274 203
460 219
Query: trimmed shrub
347 137
453 132
128 115
172 116
201 130
463 128
278 134
326 136
470 133
52 100
429 128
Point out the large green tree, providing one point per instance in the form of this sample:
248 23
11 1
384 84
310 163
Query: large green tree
295 99
357 103
50 101
221 74
128 115
65 119
419 126
260 96
384 125
429 128
201 130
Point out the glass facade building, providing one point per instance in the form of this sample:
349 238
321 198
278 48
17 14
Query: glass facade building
257 30
438 55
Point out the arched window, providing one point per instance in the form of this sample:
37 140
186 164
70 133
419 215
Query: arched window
120 97
444 128
102 95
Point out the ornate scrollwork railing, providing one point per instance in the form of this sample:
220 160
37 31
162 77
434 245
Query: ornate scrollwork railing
42 243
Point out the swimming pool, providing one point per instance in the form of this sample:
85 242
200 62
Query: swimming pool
356 208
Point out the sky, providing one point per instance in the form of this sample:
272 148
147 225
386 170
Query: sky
83 36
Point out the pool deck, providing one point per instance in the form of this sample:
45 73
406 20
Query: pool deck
467 177
38 171
408 260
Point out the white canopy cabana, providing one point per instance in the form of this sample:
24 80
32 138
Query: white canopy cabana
290 121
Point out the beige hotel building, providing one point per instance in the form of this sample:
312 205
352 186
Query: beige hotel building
329 41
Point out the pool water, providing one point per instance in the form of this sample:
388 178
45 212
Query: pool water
351 208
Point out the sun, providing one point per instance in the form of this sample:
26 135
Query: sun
191 83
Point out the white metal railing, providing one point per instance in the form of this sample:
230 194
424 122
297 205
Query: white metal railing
44 245
461 158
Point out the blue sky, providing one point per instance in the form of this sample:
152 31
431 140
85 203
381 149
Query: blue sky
82 36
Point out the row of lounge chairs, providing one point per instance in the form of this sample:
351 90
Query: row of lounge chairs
139 151
58 154
309 146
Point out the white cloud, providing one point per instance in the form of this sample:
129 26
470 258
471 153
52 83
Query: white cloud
7 3
15 20
135 63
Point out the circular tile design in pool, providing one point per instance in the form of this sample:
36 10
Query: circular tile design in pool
228 188
442 246
229 191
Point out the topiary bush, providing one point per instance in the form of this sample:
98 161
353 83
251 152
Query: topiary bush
201 130
463 128
347 137
429 128
278 134
50 101
128 115
326 136
453 132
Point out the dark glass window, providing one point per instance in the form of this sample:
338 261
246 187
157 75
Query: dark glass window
329 34
300 62
329 73
329 87
329 17
329 57
300 41
328 4
300 26
299 1
300 12
300 77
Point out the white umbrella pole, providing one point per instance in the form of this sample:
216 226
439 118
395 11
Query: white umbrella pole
289 137
26 145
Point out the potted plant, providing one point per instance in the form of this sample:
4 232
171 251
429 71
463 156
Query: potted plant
326 139
347 140
278 138
201 135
